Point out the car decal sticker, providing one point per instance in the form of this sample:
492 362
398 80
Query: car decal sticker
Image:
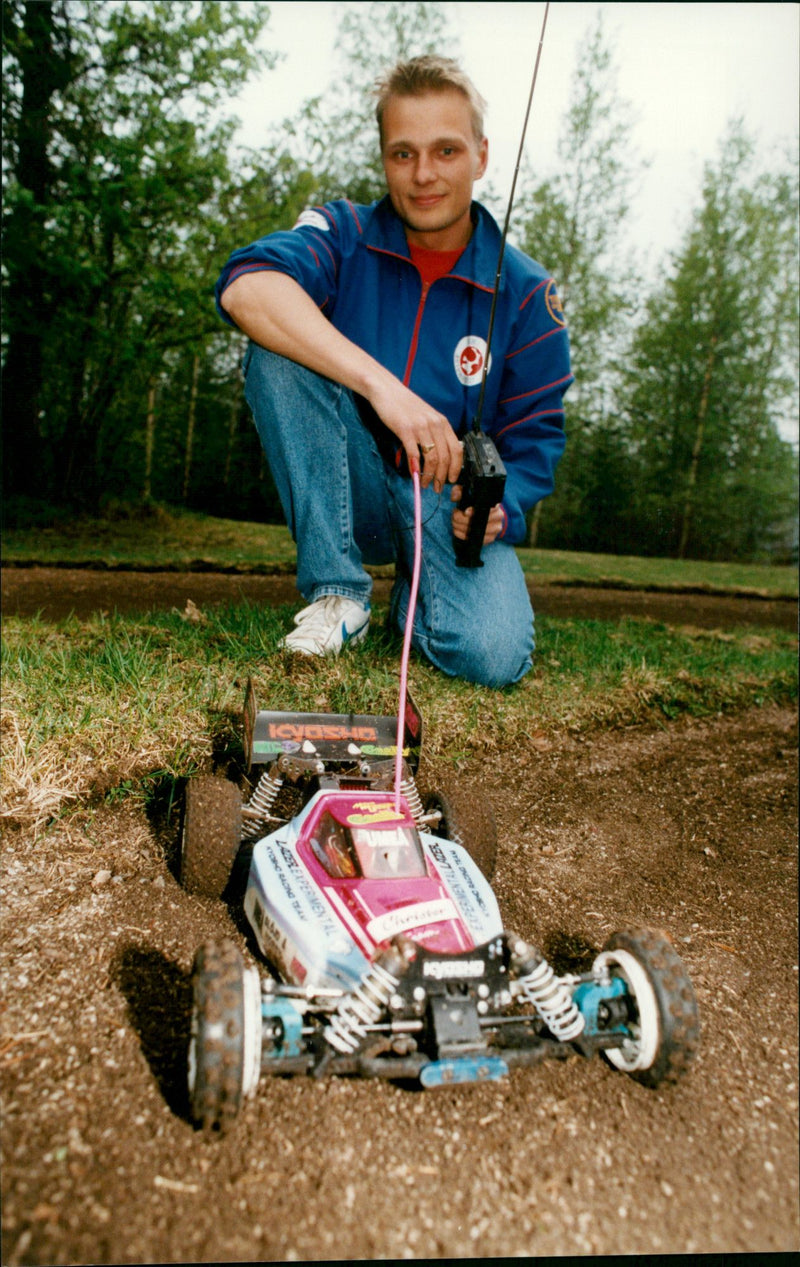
407 917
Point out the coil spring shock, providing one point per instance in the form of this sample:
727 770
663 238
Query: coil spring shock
365 1005
260 804
546 994
409 789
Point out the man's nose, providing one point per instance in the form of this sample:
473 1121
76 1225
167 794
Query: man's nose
425 171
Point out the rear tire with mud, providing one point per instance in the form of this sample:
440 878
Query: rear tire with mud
665 1025
467 819
212 832
225 1046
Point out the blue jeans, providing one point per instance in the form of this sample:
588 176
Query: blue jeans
346 507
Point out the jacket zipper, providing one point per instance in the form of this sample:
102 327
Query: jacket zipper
412 351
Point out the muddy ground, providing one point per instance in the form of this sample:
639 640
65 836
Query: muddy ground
691 828
57 592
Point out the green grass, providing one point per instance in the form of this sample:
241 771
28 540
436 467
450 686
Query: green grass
633 572
155 538
104 706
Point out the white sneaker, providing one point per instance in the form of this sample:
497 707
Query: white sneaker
327 625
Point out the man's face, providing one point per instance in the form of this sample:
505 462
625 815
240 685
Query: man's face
431 160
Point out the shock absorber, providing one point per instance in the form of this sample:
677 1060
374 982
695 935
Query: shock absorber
364 1005
540 986
258 809
409 789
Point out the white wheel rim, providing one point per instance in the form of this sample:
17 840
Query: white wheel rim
641 1051
251 1025
191 1072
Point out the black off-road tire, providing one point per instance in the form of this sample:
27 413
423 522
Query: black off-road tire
667 1014
467 819
212 832
225 1045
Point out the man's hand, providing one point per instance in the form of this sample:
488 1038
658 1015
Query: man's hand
461 520
276 312
419 427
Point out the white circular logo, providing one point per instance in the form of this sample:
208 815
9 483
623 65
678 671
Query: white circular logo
468 359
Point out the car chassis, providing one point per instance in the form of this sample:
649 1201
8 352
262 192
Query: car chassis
406 972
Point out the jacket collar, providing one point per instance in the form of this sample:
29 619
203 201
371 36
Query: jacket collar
384 231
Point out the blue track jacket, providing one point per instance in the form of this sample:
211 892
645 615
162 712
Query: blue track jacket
354 261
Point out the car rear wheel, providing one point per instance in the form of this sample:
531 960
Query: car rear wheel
467 819
224 1060
212 832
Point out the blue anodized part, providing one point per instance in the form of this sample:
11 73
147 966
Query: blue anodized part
290 1042
444 1073
588 997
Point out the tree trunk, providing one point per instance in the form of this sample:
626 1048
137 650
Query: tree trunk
691 483
150 430
533 525
233 423
43 72
187 465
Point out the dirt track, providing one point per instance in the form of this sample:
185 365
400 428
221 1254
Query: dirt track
57 592
692 828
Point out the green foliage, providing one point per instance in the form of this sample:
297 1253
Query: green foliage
573 223
336 134
124 193
111 255
713 366
673 441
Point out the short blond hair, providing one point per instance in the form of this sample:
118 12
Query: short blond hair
428 73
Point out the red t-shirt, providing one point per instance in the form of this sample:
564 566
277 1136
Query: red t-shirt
433 264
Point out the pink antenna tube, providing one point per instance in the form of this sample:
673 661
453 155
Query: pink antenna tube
412 604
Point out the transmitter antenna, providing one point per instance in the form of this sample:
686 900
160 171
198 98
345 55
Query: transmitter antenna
476 426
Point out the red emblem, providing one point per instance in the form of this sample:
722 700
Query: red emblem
471 362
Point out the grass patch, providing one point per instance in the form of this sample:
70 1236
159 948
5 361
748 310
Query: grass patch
155 538
633 572
102 706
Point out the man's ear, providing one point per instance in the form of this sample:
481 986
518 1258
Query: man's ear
483 158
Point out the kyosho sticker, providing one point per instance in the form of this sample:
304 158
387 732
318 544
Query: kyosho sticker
298 731
453 969
468 359
393 922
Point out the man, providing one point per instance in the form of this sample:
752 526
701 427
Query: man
368 325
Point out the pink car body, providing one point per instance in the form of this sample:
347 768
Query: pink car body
350 872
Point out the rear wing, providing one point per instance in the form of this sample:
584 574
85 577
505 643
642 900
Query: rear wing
336 738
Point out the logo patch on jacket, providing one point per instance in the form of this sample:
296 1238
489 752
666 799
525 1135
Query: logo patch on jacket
468 359
313 218
553 303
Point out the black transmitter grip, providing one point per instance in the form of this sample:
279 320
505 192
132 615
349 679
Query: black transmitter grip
483 479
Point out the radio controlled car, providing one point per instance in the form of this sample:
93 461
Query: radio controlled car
375 912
